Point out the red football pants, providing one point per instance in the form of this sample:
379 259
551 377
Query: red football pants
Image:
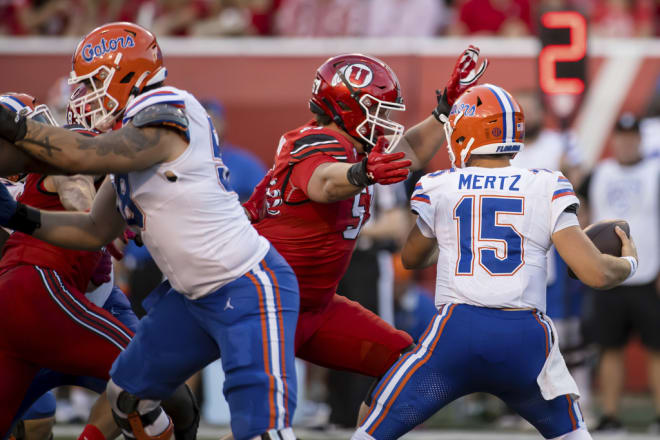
47 324
343 335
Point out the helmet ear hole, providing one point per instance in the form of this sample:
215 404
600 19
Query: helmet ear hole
460 140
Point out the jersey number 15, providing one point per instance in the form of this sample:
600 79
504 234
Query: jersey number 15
484 227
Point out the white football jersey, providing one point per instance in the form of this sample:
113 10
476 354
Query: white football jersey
195 229
493 227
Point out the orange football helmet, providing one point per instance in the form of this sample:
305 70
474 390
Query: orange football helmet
485 119
26 105
115 62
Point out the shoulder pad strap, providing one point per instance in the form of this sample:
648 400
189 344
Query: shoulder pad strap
162 115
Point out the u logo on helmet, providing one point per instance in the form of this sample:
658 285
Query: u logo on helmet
90 52
358 75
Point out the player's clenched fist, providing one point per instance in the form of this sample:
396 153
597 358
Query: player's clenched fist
379 167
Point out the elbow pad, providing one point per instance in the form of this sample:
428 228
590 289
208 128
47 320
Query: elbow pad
163 115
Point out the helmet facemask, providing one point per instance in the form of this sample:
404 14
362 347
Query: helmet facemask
90 110
378 123
41 113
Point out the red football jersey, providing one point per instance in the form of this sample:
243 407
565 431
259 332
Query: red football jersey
316 239
74 267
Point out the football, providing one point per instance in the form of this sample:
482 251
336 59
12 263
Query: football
602 234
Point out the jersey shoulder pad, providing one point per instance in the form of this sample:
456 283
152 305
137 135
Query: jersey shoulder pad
315 142
562 187
161 95
162 115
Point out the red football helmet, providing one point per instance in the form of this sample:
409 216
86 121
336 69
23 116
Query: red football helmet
115 62
359 92
25 105
485 119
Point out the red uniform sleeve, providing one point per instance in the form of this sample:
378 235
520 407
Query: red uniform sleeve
302 171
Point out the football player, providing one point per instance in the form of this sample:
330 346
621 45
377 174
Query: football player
73 193
319 196
227 289
489 225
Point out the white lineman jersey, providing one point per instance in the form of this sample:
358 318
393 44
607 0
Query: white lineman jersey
493 227
194 227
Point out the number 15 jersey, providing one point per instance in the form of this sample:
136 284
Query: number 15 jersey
493 227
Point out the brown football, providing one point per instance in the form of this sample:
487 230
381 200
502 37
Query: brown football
602 234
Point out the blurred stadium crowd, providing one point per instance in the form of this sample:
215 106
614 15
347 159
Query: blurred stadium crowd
325 18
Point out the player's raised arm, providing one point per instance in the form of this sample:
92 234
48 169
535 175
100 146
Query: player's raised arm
74 230
597 270
134 147
423 140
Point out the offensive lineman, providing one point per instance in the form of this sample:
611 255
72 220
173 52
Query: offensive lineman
227 289
74 193
489 225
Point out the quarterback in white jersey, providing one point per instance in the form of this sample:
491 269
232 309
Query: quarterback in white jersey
492 245
488 226
227 289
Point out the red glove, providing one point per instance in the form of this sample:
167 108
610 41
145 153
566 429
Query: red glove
256 205
462 78
379 167
127 235
124 237
464 75
103 269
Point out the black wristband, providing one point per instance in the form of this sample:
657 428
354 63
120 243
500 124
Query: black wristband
357 174
443 106
26 219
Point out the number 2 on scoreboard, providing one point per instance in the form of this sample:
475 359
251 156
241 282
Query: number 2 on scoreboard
484 227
